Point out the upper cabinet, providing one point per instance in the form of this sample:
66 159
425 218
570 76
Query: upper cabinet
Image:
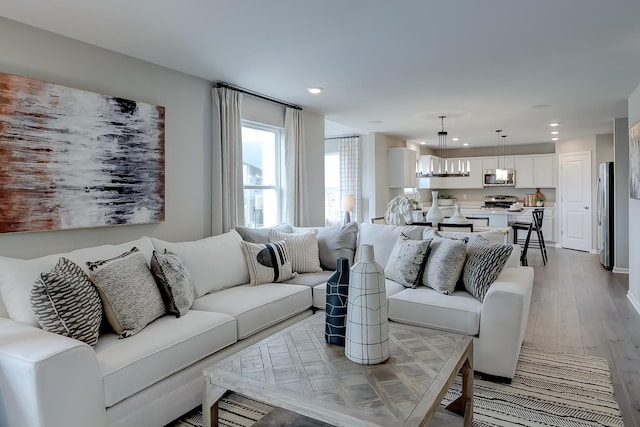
402 168
535 171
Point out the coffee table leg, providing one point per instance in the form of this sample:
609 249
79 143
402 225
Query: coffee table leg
212 394
463 405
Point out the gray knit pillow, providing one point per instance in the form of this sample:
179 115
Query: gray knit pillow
177 291
485 261
65 302
444 264
406 262
129 293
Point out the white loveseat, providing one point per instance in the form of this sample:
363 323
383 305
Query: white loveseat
151 378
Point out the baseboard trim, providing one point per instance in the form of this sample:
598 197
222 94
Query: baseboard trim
634 302
620 270
594 251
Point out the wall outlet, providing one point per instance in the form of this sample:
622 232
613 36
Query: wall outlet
464 196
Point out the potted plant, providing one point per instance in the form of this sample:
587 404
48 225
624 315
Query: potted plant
415 204
445 199
539 201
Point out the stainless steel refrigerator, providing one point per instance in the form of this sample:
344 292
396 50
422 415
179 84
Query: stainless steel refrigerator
605 214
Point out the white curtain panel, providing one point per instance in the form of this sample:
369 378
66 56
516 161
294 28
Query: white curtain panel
295 199
351 173
228 135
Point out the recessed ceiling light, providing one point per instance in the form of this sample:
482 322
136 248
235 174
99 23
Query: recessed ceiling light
315 90
554 139
554 124
455 139
423 143
555 132
466 144
375 122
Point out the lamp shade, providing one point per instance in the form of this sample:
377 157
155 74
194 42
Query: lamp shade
348 202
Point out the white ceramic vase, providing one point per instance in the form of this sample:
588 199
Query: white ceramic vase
457 217
367 334
434 216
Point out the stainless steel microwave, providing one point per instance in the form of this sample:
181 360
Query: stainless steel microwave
498 178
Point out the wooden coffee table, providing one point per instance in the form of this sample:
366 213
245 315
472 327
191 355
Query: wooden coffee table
297 370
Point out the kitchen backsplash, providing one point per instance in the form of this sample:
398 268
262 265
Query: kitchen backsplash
479 194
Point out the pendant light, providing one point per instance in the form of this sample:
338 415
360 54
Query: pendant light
502 175
444 169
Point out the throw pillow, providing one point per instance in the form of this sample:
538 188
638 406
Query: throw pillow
260 235
176 290
451 235
268 262
334 242
303 249
444 264
65 302
406 263
484 263
129 294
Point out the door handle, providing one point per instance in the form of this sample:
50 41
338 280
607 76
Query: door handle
586 207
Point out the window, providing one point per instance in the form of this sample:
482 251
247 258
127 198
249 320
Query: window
261 146
332 205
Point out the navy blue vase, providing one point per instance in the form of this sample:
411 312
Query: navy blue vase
336 306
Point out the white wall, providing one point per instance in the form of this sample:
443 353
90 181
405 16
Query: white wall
634 214
621 195
35 53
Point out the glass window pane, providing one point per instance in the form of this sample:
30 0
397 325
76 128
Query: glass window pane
259 156
332 187
261 208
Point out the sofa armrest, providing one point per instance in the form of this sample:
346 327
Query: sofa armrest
503 322
47 380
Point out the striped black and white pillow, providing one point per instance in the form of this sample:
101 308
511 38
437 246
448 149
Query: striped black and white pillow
485 260
268 262
65 302
303 249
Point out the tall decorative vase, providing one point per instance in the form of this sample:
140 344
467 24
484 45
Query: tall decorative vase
367 339
336 304
457 217
434 216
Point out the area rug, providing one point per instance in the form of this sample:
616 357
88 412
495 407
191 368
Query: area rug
549 389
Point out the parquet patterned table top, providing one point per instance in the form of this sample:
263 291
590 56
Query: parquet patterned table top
296 369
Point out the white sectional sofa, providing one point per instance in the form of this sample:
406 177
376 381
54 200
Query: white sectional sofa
151 378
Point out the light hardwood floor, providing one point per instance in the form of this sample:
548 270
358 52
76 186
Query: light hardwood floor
579 307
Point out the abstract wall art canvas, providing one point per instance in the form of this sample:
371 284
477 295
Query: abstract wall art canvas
634 161
72 159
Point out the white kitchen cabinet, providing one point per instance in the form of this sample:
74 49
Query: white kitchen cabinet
537 171
402 168
490 163
498 162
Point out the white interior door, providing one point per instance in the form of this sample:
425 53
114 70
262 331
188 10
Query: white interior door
575 201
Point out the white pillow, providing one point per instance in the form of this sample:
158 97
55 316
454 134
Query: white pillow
17 276
406 263
267 262
303 249
214 263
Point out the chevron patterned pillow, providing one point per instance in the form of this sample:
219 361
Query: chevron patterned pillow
485 260
65 302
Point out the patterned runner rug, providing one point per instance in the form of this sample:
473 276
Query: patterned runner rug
549 389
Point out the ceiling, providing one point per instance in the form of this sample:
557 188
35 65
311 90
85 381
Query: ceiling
385 65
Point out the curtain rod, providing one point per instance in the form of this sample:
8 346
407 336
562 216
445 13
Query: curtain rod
340 137
256 94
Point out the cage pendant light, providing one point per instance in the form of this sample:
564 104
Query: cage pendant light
444 169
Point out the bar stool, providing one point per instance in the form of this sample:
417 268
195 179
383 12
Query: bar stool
529 228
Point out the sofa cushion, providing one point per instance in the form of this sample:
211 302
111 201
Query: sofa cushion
485 260
444 264
65 302
320 292
17 276
458 312
129 294
406 262
268 262
383 238
310 279
173 281
166 346
335 242
257 307
213 263
260 235
303 249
